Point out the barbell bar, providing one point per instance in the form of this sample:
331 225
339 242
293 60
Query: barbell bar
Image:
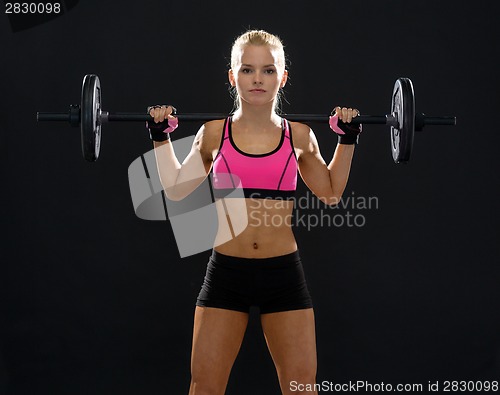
131 117
402 118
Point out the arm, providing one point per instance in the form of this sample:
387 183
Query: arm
179 180
327 182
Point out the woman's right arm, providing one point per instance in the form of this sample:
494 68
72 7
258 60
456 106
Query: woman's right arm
179 180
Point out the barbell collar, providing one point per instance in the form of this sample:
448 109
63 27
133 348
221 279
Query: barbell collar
74 115
392 120
103 117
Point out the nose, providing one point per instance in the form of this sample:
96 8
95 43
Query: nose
257 79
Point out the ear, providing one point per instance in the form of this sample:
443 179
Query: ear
284 79
230 75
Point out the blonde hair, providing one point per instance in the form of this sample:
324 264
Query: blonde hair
257 37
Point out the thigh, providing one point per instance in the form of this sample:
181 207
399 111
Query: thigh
217 337
291 338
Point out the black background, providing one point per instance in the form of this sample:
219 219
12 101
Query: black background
97 301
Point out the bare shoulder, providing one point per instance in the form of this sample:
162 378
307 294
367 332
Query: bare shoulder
214 128
209 136
301 135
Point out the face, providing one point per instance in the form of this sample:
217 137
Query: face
259 75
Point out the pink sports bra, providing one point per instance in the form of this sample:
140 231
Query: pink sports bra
272 175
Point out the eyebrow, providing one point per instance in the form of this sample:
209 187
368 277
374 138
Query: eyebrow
267 65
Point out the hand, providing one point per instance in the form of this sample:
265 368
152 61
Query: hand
340 123
164 122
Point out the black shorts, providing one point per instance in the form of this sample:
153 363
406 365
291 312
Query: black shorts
272 284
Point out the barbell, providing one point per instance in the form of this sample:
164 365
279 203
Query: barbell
402 119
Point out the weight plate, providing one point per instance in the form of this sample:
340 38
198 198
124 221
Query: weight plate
403 109
90 120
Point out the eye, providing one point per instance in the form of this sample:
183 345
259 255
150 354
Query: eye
270 71
246 70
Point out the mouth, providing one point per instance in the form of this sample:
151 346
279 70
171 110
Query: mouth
257 90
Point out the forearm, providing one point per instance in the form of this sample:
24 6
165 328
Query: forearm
339 169
167 164
179 180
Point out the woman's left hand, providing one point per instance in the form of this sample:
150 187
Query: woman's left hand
340 123
345 114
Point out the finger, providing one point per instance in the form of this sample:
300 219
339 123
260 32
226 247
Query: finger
349 115
170 111
163 113
158 117
336 111
343 117
352 113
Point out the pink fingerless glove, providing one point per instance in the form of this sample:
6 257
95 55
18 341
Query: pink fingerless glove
348 133
161 131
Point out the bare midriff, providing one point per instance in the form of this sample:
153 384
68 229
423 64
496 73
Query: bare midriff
268 231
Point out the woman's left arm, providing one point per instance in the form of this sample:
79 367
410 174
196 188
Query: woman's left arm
327 182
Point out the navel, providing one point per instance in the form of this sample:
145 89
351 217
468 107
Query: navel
255 246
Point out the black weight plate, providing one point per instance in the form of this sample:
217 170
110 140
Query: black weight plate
403 108
90 122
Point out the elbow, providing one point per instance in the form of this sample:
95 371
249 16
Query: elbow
173 194
180 190
173 198
171 190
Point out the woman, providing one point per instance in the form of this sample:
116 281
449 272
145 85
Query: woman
256 151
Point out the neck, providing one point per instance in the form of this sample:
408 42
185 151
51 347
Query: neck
257 115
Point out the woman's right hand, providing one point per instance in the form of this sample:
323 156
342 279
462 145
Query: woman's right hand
161 112
164 122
